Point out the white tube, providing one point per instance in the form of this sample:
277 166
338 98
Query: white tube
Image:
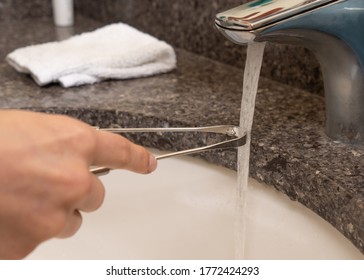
63 12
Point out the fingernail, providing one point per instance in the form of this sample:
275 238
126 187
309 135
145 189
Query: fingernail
152 163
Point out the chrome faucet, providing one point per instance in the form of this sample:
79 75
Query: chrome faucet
333 30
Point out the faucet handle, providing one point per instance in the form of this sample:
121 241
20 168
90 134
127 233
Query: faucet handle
259 13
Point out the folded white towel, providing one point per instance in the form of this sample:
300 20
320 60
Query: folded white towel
116 51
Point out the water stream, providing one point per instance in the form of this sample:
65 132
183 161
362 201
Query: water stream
250 86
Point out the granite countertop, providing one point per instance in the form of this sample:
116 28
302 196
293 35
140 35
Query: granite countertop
290 150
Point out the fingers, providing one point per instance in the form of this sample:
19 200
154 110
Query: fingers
73 223
90 201
115 151
94 198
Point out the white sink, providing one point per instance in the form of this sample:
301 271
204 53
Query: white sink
186 210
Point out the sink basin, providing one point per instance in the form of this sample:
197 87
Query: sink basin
186 210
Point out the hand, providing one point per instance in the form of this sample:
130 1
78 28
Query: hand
44 176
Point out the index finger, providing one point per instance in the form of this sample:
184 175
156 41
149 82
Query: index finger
115 151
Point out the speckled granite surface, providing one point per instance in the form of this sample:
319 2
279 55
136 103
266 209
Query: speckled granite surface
189 24
289 148
19 9
186 24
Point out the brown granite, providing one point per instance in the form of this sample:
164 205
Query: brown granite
189 24
289 148
19 9
186 24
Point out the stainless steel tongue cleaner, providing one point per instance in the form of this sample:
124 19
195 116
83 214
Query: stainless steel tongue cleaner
229 130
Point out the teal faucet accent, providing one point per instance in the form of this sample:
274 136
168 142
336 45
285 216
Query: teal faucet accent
333 30
259 3
344 20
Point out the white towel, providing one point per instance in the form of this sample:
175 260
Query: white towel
116 51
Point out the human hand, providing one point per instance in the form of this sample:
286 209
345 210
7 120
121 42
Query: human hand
44 176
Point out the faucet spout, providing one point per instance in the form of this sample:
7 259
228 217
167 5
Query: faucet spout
332 30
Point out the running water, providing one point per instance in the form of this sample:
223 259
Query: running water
251 78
